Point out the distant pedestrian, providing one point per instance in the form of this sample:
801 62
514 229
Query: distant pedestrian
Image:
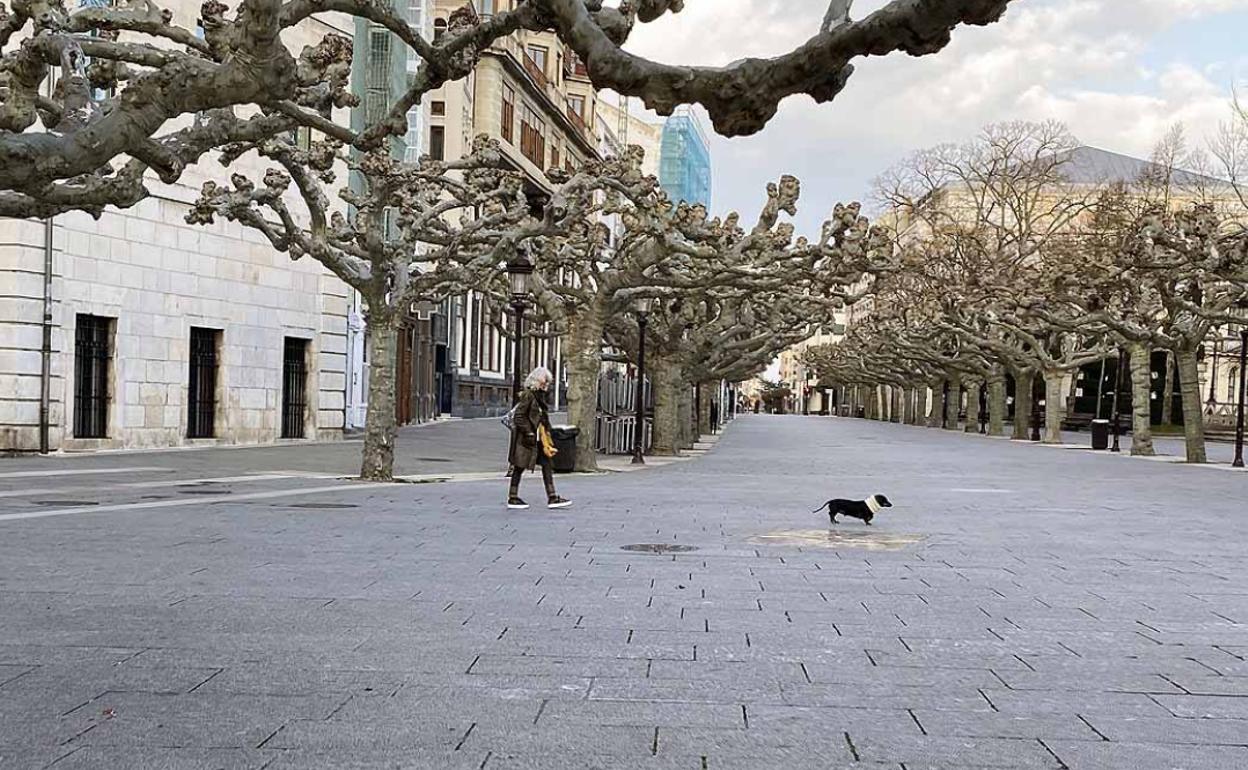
531 440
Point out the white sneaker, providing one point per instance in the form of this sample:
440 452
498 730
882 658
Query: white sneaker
516 504
558 502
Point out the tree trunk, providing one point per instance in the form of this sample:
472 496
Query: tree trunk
1193 415
920 405
896 409
972 406
380 424
704 417
907 406
937 415
582 348
1024 383
997 407
1141 402
1054 405
953 404
666 385
1167 404
685 416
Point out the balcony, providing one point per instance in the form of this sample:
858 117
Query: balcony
534 71
578 121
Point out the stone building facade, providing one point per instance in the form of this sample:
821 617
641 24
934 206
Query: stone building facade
530 93
163 333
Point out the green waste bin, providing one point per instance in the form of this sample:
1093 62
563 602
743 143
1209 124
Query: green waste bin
564 437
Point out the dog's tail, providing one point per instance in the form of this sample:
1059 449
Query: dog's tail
820 508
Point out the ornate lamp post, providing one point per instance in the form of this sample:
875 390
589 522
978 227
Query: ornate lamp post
641 306
1211 404
519 270
1239 420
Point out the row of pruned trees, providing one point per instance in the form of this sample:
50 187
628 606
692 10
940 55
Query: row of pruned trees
99 102
1015 260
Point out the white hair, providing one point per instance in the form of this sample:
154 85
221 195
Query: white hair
540 374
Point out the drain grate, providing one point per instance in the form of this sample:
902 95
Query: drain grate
66 502
434 459
204 491
326 506
658 548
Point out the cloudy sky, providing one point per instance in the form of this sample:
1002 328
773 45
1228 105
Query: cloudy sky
1118 72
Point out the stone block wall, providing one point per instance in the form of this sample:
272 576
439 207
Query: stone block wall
158 277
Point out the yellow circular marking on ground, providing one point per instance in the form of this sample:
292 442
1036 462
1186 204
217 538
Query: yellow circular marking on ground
870 540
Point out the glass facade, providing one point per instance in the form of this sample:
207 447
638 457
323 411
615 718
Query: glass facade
685 159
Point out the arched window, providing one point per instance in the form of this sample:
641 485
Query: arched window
439 29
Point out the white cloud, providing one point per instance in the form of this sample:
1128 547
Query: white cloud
1081 61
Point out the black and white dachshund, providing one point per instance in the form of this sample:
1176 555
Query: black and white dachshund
855 509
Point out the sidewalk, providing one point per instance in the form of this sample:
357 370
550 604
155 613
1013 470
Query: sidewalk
441 450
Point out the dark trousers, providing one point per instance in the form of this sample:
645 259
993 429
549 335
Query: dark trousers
548 476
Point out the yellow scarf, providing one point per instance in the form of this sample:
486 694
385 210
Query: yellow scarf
548 444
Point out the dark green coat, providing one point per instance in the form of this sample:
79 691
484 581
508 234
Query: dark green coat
530 414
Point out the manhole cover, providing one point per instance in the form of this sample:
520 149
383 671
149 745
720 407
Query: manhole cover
204 491
658 548
66 502
874 540
321 505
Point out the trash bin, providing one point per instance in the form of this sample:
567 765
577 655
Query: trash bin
564 437
1100 434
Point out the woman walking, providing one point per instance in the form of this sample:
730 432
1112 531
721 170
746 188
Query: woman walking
531 442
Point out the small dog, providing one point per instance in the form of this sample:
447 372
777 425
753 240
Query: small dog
855 509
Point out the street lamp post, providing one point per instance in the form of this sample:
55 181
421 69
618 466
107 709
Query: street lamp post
642 306
1118 372
1239 421
519 271
1211 404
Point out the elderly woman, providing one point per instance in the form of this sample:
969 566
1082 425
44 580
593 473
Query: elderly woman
531 443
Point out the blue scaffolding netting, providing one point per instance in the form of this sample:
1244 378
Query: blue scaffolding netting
685 160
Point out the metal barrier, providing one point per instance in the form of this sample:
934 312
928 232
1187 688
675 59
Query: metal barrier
616 423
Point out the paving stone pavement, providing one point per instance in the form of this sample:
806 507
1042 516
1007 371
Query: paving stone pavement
1019 608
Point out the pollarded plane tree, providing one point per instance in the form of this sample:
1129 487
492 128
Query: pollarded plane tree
1162 279
769 294
418 232
1000 202
767 299
897 344
928 284
634 243
90 97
